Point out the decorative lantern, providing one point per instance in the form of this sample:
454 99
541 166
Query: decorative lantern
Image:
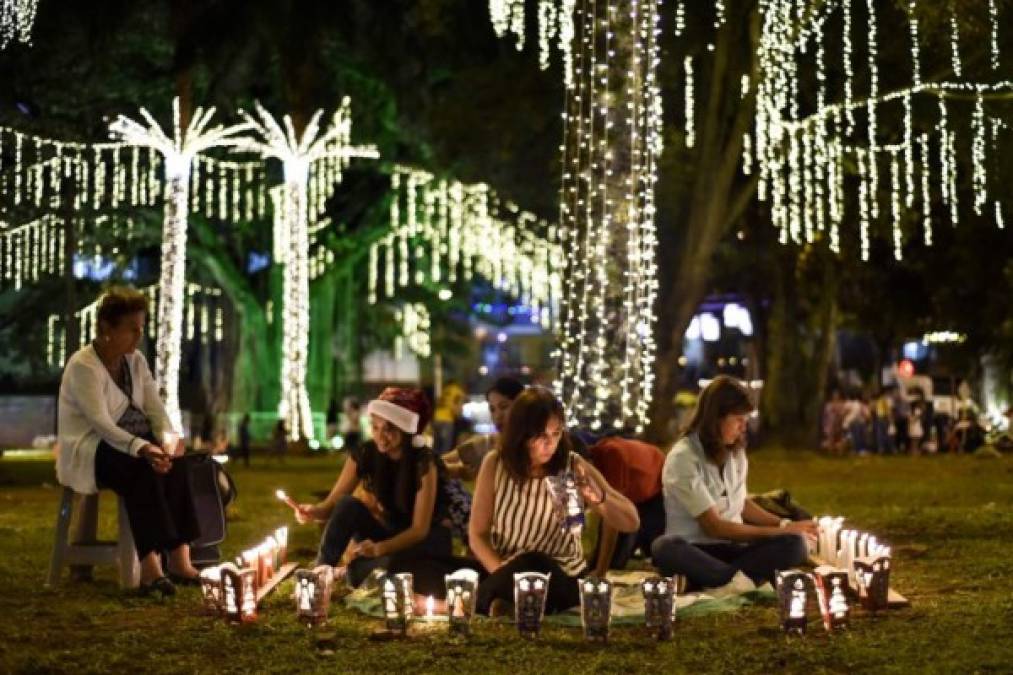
530 592
567 503
239 594
596 608
211 589
659 606
281 537
462 591
266 553
873 577
832 593
398 596
313 593
250 559
793 595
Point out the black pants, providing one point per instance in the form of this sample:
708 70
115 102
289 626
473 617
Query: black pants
352 519
563 592
160 507
713 565
652 526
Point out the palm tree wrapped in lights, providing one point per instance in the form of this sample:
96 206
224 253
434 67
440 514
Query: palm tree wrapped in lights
178 151
316 153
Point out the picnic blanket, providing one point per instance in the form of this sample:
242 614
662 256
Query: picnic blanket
627 600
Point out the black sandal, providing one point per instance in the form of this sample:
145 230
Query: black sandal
181 580
161 585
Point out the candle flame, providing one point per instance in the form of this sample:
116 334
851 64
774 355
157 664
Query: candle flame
280 494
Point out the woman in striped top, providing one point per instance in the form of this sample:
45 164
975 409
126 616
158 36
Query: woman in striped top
513 526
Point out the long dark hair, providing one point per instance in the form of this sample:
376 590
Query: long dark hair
723 396
395 483
529 415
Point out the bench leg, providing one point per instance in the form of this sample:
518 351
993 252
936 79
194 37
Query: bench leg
60 540
85 532
130 567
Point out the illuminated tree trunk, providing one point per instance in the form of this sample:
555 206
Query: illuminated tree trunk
611 142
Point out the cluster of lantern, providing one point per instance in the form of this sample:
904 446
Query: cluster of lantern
232 590
854 564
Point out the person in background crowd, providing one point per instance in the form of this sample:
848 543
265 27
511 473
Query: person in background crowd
450 427
351 423
244 440
833 428
633 468
854 420
883 429
464 461
109 417
514 526
712 529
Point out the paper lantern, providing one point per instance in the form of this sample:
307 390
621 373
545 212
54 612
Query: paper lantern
873 577
239 593
596 608
313 593
567 503
530 592
462 591
659 606
281 537
832 594
793 595
398 596
211 590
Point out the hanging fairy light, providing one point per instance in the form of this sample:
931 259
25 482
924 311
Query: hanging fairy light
16 19
800 158
313 150
442 231
178 152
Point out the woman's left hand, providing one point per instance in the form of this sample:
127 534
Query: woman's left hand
366 549
592 493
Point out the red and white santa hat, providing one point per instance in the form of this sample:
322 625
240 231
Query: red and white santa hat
407 409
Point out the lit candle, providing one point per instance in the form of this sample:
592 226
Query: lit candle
430 604
280 494
281 536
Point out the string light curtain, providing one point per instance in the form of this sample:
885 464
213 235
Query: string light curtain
612 140
802 156
444 231
16 19
178 151
312 162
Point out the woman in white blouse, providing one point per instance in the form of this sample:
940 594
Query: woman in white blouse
712 528
115 434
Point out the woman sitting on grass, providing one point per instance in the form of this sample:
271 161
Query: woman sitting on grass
713 530
464 461
402 474
513 526
109 418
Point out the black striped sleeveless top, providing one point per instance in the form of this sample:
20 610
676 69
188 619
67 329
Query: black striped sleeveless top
523 522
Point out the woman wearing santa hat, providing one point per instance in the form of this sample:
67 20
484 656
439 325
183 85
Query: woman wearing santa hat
402 473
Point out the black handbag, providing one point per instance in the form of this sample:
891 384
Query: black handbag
213 489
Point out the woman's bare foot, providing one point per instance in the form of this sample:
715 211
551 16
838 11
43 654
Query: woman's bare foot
180 565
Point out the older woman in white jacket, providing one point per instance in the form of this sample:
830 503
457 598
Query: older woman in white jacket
109 418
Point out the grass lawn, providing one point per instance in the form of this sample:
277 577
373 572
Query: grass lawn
948 519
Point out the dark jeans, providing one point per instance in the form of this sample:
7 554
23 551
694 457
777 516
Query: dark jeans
160 507
714 565
652 526
352 519
563 592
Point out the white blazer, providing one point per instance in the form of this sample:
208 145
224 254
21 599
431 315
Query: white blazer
90 404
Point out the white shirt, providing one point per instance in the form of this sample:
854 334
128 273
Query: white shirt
90 404
691 484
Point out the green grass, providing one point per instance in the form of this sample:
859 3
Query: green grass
948 518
